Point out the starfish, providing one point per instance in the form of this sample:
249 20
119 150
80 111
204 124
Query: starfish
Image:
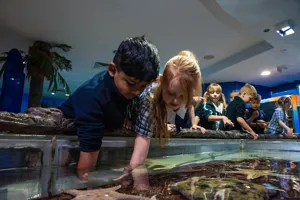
104 194
253 174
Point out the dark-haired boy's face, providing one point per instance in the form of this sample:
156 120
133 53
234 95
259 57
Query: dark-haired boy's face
128 86
255 104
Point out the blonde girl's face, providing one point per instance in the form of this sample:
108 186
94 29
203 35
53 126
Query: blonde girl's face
214 95
173 94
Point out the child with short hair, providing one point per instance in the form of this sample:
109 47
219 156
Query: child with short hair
212 111
255 117
233 93
278 122
101 102
237 108
180 82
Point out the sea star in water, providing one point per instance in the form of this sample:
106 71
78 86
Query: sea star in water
103 194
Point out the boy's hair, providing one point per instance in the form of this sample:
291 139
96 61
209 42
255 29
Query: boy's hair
185 67
233 91
248 89
215 87
256 98
137 58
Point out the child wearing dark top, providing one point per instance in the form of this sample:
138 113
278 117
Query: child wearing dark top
237 109
255 117
101 102
212 111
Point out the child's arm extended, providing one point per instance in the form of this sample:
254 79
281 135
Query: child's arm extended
219 118
288 130
140 152
244 124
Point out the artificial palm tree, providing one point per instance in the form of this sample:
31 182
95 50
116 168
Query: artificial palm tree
42 62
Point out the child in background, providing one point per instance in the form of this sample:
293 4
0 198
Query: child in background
212 111
278 122
180 82
232 94
237 109
255 117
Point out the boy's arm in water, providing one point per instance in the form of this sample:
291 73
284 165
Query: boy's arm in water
244 124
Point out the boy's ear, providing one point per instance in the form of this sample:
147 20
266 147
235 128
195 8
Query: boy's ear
112 69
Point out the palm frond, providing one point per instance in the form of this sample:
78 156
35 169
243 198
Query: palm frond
64 47
2 69
61 62
63 83
52 80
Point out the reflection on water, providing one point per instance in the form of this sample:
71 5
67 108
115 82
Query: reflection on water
218 175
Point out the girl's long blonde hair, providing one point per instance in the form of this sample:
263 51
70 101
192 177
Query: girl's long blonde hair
215 87
185 67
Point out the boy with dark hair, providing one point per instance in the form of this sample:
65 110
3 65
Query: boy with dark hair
237 108
100 103
255 117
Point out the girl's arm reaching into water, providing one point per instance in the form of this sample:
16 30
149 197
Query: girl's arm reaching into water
140 152
288 130
226 121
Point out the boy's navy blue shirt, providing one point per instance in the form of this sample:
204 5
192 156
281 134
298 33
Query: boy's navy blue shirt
261 114
95 106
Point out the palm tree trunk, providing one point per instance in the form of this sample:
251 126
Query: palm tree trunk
35 91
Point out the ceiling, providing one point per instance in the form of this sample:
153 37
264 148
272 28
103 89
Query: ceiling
231 30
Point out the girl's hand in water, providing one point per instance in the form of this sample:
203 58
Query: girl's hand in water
227 121
171 127
196 127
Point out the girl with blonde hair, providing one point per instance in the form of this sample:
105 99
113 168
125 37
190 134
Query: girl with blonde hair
179 83
212 112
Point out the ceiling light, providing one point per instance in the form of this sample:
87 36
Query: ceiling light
67 95
265 73
285 28
53 93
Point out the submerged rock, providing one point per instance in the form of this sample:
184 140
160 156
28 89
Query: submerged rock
225 189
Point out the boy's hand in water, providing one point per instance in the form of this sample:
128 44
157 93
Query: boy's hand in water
254 135
196 127
127 124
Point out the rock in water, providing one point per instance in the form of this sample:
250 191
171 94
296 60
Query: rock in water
196 188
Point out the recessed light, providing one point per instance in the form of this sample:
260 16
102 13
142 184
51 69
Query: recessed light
53 93
265 73
67 95
285 28
208 57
